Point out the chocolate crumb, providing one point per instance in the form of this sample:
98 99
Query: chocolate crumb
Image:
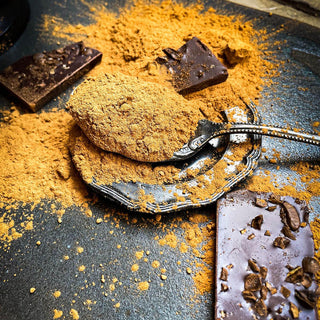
310 265
257 222
261 203
261 308
281 242
253 266
285 292
288 233
224 274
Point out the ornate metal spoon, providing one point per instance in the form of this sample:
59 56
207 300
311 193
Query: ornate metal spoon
208 130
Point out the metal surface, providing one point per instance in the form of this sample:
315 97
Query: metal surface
164 195
208 130
110 247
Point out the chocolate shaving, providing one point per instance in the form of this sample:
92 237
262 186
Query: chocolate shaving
292 215
307 298
288 233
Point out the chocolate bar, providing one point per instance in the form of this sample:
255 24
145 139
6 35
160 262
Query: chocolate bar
35 80
193 67
262 273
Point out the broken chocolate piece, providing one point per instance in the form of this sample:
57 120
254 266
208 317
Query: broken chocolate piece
261 308
295 275
310 265
253 266
193 67
307 298
261 203
281 242
257 222
252 282
275 199
224 287
235 213
294 311
249 295
263 272
292 216
285 292
224 274
288 233
35 80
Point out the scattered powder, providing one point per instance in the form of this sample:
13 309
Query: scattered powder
82 268
134 267
143 286
57 314
139 254
74 314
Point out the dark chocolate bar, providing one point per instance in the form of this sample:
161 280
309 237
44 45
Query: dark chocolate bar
37 79
265 264
193 67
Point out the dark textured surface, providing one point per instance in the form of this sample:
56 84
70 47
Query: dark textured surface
26 265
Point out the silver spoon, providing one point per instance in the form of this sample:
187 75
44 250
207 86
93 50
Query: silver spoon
207 130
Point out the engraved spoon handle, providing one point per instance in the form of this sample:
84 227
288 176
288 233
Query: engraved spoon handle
208 130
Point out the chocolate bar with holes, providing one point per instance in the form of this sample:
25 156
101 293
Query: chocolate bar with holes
193 67
35 80
265 266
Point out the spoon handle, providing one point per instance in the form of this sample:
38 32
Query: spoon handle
269 131
208 130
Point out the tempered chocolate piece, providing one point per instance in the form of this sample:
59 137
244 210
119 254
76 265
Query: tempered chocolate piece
35 80
193 67
276 298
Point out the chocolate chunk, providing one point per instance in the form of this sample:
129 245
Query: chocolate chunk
307 298
224 274
285 292
295 275
224 287
292 215
249 295
252 282
263 272
294 311
257 222
261 308
275 199
306 281
235 213
264 292
261 203
193 67
281 242
310 265
35 80
253 266
287 232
